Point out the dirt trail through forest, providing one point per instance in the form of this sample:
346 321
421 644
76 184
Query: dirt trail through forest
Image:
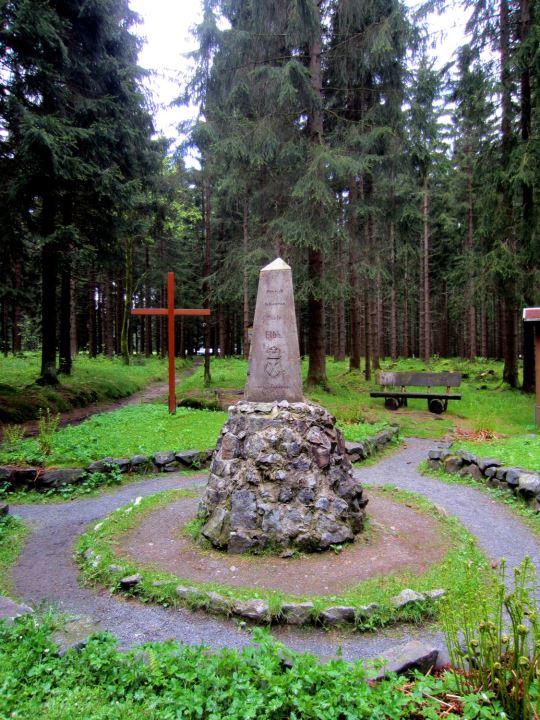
149 394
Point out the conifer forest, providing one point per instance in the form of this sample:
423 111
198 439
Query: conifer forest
404 195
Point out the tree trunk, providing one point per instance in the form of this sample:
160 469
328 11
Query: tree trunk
128 289
16 338
367 332
317 334
92 325
425 273
207 267
510 373
108 336
66 311
472 351
354 280
49 273
73 323
393 298
245 280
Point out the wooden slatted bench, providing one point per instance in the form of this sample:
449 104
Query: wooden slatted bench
398 394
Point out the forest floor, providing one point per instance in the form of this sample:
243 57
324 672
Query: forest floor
152 393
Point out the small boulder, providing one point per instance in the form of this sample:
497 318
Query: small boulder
485 463
529 485
139 461
337 615
9 609
100 465
123 464
4 509
59 478
407 597
217 603
164 458
471 470
255 610
130 581
512 476
187 593
191 458
297 613
403 659
452 464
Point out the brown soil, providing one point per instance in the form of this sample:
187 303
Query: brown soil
399 539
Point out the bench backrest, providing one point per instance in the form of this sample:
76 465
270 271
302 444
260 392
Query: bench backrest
420 379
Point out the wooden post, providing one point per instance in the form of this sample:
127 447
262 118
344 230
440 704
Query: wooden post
533 315
170 311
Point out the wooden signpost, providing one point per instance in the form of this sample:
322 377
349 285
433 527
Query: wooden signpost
532 315
170 311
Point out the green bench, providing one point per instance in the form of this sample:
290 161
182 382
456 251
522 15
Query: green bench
397 393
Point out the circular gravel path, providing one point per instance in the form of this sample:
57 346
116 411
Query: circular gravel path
46 572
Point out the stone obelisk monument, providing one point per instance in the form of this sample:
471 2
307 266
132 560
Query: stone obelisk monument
274 361
280 477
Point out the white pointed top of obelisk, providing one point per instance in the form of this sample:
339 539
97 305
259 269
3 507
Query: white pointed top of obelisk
277 264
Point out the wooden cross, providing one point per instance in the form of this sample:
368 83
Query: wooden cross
170 311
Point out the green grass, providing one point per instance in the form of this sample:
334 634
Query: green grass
103 538
12 535
163 681
522 450
487 404
92 380
136 429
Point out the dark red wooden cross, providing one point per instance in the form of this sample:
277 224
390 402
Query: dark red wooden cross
170 311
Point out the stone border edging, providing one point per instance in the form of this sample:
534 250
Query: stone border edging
520 482
401 659
257 610
37 478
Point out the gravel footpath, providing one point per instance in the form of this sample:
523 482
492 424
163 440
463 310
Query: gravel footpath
46 573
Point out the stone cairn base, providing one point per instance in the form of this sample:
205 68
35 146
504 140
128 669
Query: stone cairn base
280 478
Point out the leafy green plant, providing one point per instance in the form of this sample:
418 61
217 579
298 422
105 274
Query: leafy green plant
162 681
47 427
496 647
13 434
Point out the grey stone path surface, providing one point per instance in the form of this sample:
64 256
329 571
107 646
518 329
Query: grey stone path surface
46 573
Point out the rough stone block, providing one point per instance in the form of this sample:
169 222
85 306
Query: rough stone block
138 461
452 464
254 610
191 458
9 609
436 594
466 456
434 464
217 603
529 485
297 613
4 509
130 581
100 465
471 470
485 463
407 597
59 478
24 477
337 615
6 473
512 477
164 458
402 659
188 594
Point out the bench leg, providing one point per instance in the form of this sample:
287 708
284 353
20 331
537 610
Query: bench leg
391 403
436 405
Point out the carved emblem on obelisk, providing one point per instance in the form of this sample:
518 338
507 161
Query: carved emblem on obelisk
274 361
